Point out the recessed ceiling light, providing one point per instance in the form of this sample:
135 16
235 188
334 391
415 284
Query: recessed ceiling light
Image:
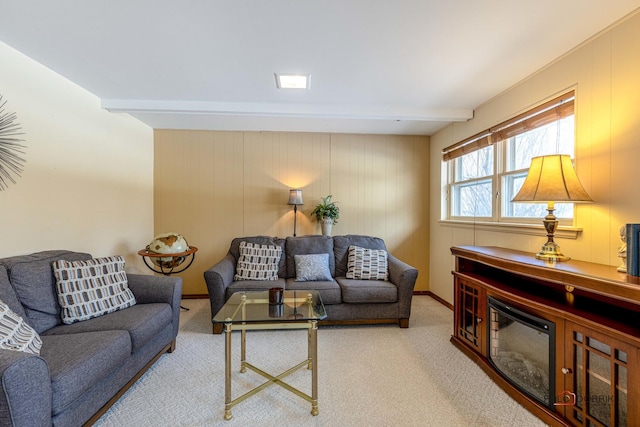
292 81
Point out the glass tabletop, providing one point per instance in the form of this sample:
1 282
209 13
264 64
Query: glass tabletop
255 307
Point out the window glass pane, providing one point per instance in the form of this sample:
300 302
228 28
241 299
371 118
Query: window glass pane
579 388
554 138
599 388
475 165
621 397
473 199
511 186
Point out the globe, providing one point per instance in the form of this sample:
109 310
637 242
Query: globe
168 243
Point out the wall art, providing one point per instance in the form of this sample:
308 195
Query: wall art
11 146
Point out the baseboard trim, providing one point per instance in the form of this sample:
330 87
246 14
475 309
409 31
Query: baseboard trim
440 300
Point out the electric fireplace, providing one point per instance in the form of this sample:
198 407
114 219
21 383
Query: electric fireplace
522 348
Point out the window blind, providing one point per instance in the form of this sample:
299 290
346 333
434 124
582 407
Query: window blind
548 112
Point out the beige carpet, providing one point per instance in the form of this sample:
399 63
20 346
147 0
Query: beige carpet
368 376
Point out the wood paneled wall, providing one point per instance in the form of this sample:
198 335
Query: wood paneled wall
604 72
213 186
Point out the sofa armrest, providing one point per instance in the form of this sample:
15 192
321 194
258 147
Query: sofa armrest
25 389
218 278
150 289
404 277
158 289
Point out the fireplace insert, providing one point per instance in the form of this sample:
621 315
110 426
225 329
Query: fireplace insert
522 348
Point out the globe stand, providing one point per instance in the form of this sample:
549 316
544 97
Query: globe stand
159 264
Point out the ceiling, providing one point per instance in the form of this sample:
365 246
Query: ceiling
377 66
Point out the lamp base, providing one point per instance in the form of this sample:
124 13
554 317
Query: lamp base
550 252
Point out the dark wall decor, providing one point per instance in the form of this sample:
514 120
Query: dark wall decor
11 164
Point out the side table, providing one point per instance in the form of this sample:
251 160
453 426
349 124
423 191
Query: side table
245 311
165 267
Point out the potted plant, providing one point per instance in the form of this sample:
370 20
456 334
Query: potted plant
327 213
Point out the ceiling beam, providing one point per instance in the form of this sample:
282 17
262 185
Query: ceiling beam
366 112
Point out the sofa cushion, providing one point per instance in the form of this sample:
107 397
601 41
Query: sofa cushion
32 278
143 322
15 334
312 267
78 361
306 245
329 290
367 264
91 288
234 249
367 291
341 249
257 262
8 295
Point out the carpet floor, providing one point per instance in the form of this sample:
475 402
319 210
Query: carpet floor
367 376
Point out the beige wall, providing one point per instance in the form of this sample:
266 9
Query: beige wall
88 178
214 186
605 72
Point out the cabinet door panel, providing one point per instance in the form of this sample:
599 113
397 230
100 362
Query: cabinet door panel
600 369
469 321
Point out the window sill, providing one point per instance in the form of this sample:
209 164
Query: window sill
563 231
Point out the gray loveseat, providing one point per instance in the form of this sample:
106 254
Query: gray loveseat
347 301
83 367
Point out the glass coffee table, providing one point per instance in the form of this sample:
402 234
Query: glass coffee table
245 311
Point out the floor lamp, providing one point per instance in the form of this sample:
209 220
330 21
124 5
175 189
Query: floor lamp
295 199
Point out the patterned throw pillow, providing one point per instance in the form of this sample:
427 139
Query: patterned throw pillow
257 262
312 267
15 334
91 288
367 264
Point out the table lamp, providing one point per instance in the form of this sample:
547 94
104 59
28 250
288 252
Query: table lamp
551 179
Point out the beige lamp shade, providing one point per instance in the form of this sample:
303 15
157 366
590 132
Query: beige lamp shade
295 197
552 179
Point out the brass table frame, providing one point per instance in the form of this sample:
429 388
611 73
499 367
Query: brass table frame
311 362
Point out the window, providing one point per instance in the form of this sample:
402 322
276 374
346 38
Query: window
486 171
473 183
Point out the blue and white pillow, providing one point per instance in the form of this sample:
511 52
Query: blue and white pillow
15 334
257 262
312 267
367 264
91 288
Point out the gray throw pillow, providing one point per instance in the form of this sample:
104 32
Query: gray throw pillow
312 267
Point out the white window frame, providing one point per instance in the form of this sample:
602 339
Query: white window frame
499 205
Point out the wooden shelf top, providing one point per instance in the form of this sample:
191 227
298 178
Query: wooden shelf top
600 279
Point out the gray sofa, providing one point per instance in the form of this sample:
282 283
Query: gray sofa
347 301
83 367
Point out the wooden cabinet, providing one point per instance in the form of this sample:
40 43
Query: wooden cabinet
599 370
595 310
470 318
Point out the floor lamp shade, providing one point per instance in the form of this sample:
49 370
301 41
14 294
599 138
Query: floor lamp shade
552 179
295 199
